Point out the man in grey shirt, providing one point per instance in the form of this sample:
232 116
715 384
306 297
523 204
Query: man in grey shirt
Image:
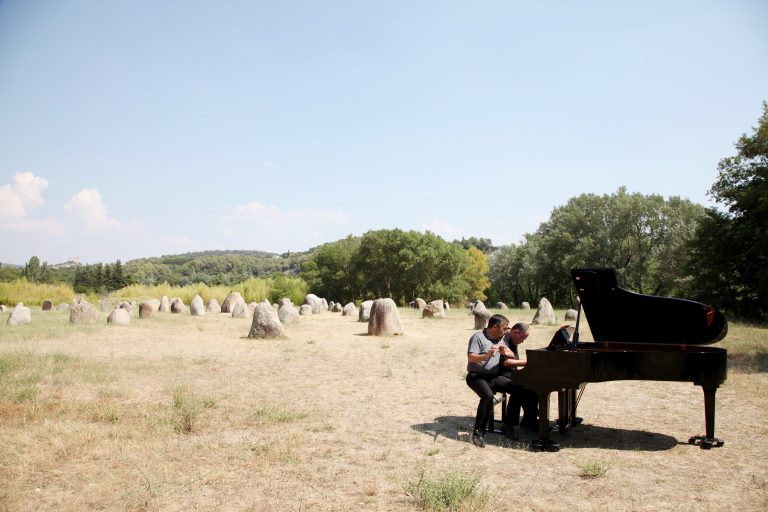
483 365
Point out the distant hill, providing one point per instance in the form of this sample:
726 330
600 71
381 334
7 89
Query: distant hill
213 267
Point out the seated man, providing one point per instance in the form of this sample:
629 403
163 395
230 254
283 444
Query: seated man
518 395
483 377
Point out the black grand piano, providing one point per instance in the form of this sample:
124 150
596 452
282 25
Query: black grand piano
662 341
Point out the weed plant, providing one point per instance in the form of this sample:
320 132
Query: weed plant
448 492
593 469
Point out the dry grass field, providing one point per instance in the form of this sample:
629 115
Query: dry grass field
180 413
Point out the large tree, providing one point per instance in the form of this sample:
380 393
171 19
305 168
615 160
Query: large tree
642 236
730 253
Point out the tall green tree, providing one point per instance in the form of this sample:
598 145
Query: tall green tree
476 274
730 252
329 272
643 237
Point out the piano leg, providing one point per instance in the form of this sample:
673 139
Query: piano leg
544 443
709 440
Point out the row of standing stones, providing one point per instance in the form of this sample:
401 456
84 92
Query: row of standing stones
268 319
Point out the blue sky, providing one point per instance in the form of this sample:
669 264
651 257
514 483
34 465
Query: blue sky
140 128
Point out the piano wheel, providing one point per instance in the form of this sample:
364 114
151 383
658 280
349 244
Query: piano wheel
706 443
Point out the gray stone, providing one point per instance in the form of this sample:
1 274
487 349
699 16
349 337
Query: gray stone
229 302
47 305
545 315
147 309
177 306
315 302
349 310
239 308
196 307
165 305
288 314
525 306
384 319
82 312
481 317
305 310
570 314
433 310
213 306
266 323
365 311
119 316
19 315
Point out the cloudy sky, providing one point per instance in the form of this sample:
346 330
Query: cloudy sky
140 128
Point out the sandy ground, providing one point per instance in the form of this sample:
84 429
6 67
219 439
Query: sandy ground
333 419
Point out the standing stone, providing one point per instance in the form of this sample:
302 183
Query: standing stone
525 306
446 306
305 310
62 307
82 312
315 302
239 308
288 314
570 314
433 310
126 306
146 309
419 303
365 311
104 305
478 304
266 323
500 305
481 317
384 319
213 306
545 315
349 310
3 307
196 307
336 308
165 305
19 315
119 316
47 305
177 306
229 303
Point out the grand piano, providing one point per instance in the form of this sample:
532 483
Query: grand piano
636 337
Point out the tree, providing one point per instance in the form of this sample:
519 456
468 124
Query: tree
730 252
329 272
643 237
476 274
32 269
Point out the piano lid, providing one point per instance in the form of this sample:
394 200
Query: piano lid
618 315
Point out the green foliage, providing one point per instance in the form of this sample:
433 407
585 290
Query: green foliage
213 268
730 253
449 492
10 273
389 263
99 278
476 274
643 237
33 294
483 244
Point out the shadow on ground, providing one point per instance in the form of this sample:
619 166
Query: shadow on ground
458 428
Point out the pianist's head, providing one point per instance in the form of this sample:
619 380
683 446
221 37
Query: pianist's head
518 333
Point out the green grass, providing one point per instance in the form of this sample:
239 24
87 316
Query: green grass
272 414
593 469
448 492
187 406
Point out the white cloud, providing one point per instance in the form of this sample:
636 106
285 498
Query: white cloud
21 195
88 207
16 201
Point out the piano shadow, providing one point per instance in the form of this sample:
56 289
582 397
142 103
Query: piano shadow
459 428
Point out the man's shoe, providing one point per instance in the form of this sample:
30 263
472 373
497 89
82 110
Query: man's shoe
478 439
